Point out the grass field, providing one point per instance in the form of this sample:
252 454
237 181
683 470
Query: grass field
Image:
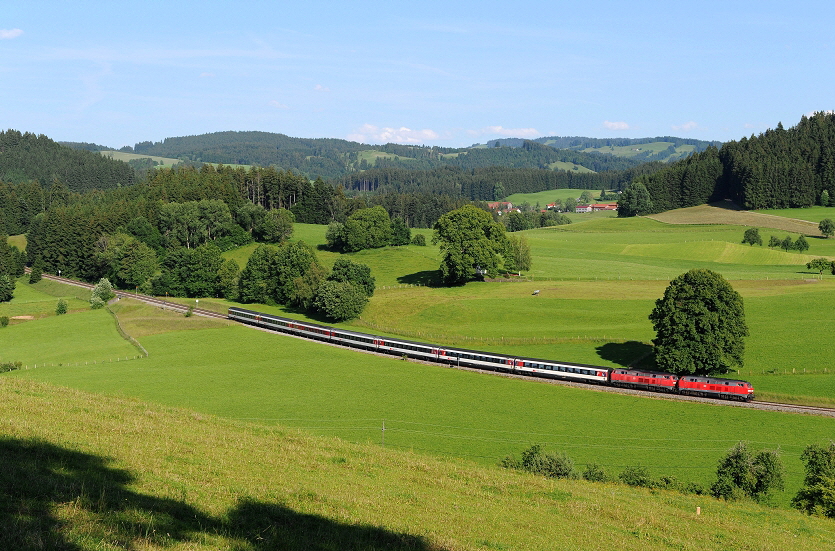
90 472
811 214
240 373
548 196
633 150
598 281
18 241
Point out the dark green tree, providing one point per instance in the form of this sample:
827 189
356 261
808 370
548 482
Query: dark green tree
699 324
471 244
228 279
292 260
355 273
400 232
419 240
340 300
743 474
817 496
787 244
335 236
257 282
61 308
752 237
801 245
827 227
36 271
774 241
635 201
367 229
275 227
7 285
819 265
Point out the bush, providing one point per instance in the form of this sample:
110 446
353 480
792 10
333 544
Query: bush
4 321
741 474
103 290
10 366
595 473
419 239
61 308
96 302
637 476
534 461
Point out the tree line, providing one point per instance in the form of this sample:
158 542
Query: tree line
777 169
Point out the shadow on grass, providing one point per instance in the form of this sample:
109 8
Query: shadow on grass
427 278
50 496
628 354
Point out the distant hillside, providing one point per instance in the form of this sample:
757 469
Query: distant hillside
776 169
333 158
661 148
25 157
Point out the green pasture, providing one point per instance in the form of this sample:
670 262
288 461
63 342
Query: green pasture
548 196
370 156
18 241
562 165
73 339
123 156
633 150
92 472
239 373
812 214
41 299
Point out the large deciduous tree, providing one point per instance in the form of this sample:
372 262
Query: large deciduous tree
699 325
827 227
818 493
471 243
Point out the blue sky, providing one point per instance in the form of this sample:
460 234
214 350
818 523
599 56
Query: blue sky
436 73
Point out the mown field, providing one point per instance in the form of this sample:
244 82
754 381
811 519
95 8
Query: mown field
244 374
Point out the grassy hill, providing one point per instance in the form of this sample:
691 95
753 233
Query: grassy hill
90 472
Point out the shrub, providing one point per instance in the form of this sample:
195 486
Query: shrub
10 366
61 308
96 302
595 473
4 321
419 239
103 290
637 476
534 461
741 474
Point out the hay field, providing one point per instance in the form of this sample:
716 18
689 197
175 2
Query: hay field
709 214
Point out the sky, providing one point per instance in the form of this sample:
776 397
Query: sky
447 73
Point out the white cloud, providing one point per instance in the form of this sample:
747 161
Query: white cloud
512 132
618 125
374 134
8 34
320 88
686 127
278 105
207 75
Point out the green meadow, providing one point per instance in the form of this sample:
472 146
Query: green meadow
812 214
548 196
92 472
597 281
238 373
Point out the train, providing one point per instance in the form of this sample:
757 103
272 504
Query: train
654 381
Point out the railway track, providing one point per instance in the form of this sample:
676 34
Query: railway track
756 404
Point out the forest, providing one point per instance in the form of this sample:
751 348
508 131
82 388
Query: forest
778 168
